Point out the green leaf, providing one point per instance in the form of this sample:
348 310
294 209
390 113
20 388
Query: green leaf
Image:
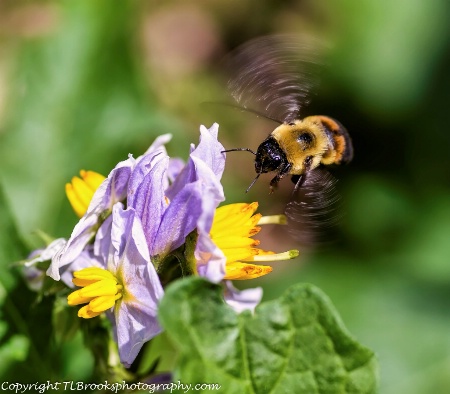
12 247
65 320
157 356
296 344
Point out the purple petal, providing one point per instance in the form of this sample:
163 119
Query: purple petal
82 233
209 150
114 187
205 164
84 260
179 220
197 170
134 327
112 190
210 259
34 277
102 243
46 254
136 313
149 199
121 234
175 167
158 144
144 166
144 163
241 300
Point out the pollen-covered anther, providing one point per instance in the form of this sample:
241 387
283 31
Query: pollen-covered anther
100 290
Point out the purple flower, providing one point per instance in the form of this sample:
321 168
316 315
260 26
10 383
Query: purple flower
127 282
33 275
114 253
196 188
120 184
112 190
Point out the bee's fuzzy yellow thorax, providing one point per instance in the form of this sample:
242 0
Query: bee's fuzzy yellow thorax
301 139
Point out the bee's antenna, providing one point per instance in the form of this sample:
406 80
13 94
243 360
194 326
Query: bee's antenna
239 150
253 182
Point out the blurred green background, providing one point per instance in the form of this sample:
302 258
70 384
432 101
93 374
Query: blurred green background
84 83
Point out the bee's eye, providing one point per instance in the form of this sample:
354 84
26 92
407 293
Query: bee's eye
305 139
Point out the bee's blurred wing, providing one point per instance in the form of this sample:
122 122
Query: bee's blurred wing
313 207
274 75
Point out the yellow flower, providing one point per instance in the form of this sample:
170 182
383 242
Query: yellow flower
100 291
231 231
81 190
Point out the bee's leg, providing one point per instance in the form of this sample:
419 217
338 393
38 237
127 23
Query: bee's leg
298 180
281 174
274 182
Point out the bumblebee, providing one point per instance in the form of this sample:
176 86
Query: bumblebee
299 147
273 77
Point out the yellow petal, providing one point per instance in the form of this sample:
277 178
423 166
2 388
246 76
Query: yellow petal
241 271
234 215
232 242
232 229
239 254
230 209
248 229
77 205
82 191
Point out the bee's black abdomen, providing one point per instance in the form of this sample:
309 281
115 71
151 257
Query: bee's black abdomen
342 142
347 153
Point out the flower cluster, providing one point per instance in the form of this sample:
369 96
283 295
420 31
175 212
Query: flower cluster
152 220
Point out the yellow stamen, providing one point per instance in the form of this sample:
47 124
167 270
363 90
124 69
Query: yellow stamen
100 290
80 190
273 219
231 231
270 256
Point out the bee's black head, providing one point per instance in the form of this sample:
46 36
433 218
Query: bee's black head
269 156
